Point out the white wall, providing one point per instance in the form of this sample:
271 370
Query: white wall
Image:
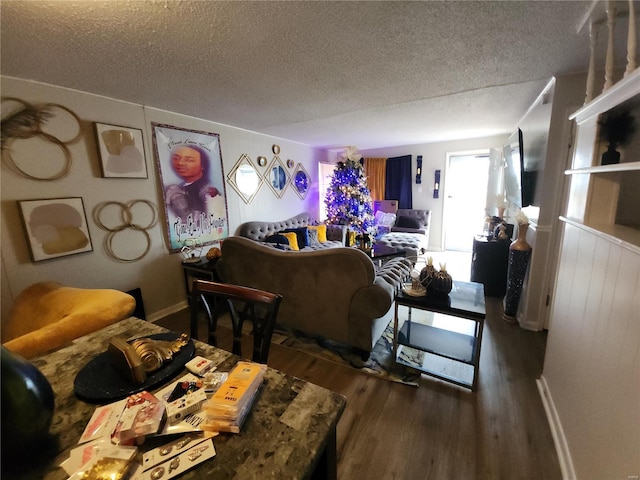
434 157
159 273
565 98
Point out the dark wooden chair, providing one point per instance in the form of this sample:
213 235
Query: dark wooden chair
242 303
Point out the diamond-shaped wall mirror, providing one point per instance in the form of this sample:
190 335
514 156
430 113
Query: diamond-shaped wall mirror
245 179
277 177
301 181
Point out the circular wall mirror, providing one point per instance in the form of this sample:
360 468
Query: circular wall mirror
247 179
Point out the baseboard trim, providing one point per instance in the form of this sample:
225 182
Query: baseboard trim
154 317
525 325
559 439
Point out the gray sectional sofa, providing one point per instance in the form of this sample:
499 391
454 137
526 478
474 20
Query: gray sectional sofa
410 232
262 231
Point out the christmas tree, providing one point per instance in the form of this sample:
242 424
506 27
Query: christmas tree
348 199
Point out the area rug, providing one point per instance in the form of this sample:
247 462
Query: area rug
380 363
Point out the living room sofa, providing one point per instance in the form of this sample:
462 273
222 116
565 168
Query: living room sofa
334 293
264 231
410 232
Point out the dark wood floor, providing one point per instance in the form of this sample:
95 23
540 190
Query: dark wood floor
437 431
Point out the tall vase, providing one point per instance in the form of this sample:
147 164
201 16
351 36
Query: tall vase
519 254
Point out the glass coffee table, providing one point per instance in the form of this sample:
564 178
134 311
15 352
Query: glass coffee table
441 335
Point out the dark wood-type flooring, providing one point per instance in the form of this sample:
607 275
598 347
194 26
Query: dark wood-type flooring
437 430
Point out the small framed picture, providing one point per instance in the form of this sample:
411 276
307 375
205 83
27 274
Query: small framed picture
121 151
55 227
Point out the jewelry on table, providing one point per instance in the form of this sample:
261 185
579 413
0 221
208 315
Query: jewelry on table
166 450
197 453
182 442
175 463
157 473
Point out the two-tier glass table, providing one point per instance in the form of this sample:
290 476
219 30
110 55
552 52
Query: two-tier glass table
445 331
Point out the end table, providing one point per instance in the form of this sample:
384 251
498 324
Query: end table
203 269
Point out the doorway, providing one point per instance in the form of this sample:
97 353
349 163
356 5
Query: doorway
465 200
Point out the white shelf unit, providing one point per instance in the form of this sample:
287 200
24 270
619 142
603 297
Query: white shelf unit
606 198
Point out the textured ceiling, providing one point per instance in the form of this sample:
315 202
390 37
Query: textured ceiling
327 74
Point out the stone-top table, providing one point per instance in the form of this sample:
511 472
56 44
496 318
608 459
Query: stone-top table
290 432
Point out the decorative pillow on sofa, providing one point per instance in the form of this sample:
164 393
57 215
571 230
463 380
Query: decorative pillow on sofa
301 233
384 219
322 231
313 237
278 239
408 222
293 239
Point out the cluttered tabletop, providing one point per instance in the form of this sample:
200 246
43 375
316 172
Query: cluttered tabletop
210 414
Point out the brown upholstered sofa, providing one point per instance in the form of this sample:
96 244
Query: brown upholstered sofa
334 293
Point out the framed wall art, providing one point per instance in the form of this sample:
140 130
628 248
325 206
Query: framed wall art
121 151
192 181
55 227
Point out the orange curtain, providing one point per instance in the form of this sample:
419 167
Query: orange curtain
375 171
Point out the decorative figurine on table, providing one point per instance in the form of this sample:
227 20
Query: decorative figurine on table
501 205
191 250
502 232
137 358
519 254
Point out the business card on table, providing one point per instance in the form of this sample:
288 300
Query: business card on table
200 365
103 421
183 406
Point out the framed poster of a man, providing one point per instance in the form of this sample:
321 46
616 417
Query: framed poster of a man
192 180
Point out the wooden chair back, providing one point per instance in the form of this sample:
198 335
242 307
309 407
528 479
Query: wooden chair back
242 303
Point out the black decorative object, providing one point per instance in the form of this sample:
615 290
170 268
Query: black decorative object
99 381
427 274
419 169
27 409
442 282
617 127
519 254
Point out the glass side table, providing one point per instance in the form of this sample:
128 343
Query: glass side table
449 327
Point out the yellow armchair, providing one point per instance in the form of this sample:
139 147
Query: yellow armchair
47 315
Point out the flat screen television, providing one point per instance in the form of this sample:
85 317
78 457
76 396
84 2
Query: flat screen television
513 154
519 181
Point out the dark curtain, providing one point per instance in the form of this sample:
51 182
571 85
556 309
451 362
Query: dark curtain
398 181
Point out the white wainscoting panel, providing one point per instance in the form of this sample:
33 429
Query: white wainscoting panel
592 363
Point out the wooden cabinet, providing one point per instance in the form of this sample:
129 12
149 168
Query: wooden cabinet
489 265
605 198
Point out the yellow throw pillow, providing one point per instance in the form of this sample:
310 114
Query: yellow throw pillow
322 232
351 238
293 239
